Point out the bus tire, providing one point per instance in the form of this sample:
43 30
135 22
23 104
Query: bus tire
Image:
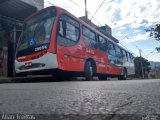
124 76
88 71
102 77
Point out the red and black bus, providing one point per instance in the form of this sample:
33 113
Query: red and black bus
55 41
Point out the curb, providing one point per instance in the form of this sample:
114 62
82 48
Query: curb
24 79
5 80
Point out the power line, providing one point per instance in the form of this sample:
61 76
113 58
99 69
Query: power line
98 8
121 31
112 22
60 6
128 38
150 53
75 3
127 48
87 11
97 20
97 11
110 1
49 3
149 3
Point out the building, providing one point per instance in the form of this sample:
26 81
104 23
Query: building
12 15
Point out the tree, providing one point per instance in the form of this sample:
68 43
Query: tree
155 32
138 69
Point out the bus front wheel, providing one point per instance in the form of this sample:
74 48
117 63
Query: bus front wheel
88 71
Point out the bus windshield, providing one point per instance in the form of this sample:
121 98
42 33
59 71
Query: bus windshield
36 33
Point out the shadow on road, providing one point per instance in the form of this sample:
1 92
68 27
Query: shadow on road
35 79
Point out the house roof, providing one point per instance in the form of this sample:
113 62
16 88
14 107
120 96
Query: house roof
16 9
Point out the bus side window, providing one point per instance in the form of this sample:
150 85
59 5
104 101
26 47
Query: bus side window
127 56
131 58
118 52
102 44
68 31
118 55
112 53
124 55
89 37
111 49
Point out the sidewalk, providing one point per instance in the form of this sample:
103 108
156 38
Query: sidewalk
41 78
5 80
23 79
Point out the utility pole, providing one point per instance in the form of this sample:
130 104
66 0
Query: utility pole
86 13
141 64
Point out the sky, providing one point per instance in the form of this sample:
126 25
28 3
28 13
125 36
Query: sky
128 19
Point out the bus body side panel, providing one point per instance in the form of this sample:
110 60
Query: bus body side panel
101 62
53 44
104 67
131 69
70 58
115 70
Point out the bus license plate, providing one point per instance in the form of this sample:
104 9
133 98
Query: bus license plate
28 64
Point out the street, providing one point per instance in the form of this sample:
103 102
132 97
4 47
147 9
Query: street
113 100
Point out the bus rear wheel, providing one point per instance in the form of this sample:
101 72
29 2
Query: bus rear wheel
124 76
88 71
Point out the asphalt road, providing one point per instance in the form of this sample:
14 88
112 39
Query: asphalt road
108 100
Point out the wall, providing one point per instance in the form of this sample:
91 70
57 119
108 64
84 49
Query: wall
6 41
154 74
4 36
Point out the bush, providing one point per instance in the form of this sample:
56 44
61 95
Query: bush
153 76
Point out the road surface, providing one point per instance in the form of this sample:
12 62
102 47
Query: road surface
108 100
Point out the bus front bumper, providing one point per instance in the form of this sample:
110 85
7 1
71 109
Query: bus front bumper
48 61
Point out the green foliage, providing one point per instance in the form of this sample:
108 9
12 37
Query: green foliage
158 49
153 76
146 66
155 32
